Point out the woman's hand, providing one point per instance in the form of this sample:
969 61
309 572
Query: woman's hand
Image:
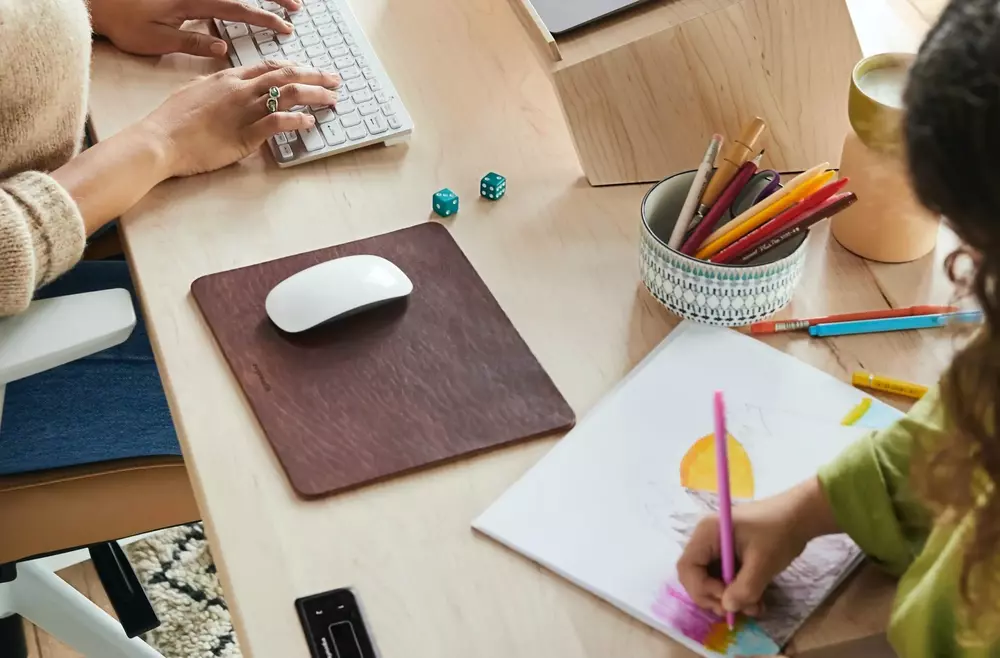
153 27
220 119
768 534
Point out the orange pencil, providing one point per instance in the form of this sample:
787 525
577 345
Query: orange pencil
780 326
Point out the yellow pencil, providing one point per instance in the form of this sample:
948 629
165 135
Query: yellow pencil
889 385
795 195
857 413
766 202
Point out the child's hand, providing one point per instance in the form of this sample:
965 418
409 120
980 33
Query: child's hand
768 534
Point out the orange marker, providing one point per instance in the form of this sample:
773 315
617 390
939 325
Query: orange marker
781 326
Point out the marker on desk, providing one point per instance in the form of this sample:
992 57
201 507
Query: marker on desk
889 385
697 186
725 500
781 326
894 324
733 157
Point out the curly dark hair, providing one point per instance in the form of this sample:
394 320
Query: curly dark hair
952 139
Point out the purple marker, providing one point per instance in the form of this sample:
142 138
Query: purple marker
725 501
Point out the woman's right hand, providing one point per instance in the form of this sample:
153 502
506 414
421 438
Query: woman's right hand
768 535
222 118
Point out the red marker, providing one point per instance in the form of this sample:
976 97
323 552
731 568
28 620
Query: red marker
780 326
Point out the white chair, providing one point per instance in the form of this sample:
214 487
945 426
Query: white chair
55 511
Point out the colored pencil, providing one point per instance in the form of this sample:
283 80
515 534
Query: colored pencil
857 413
766 202
826 210
781 326
802 210
796 194
888 384
694 193
707 224
725 500
894 324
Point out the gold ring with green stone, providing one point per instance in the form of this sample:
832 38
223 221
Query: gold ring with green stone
273 94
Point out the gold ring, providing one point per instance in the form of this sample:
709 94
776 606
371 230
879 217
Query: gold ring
273 94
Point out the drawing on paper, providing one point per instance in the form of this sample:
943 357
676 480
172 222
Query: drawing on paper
790 599
698 471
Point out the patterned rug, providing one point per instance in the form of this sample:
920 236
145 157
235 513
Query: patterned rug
177 571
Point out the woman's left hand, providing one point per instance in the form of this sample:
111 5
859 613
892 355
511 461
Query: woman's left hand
153 27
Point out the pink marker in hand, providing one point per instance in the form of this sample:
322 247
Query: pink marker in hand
725 500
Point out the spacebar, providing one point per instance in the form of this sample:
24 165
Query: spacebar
246 51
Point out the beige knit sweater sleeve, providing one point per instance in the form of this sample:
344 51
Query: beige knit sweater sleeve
45 50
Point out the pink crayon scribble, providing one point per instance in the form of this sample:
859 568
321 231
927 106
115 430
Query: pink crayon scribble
674 607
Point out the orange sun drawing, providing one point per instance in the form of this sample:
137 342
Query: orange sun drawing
698 468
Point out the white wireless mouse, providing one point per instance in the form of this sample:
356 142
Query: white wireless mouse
334 289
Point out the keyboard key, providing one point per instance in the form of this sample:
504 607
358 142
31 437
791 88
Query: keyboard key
286 151
310 40
280 139
345 108
368 73
291 136
268 48
357 132
332 41
329 30
325 115
237 30
343 62
303 30
322 19
348 120
299 57
350 72
312 139
317 108
300 18
394 122
287 38
387 109
342 26
297 108
349 39
382 97
322 62
357 52
293 47
376 124
333 133
343 94
368 107
354 85
253 28
375 84
271 6
262 36
339 51
360 61
316 9
361 96
337 16
315 51
246 51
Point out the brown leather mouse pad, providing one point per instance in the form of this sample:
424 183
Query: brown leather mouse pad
438 376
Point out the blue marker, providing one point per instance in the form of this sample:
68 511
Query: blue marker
894 324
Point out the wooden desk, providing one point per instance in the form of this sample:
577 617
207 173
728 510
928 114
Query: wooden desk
561 258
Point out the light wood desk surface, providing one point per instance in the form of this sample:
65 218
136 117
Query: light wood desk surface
561 258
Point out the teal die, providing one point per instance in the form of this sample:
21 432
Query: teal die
492 186
445 202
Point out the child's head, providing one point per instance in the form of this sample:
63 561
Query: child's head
953 146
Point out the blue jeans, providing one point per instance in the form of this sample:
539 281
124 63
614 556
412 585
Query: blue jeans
106 407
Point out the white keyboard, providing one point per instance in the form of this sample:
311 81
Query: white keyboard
328 37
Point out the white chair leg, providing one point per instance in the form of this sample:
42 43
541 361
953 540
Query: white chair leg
49 602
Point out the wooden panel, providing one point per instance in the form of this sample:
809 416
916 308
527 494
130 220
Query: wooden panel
647 109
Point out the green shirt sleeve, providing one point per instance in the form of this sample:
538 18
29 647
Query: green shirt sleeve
868 487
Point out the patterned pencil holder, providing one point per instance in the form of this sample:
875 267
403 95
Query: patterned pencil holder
725 295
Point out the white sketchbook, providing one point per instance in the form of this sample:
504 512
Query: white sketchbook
611 506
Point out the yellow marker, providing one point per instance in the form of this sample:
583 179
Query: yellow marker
889 385
766 202
857 413
796 192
